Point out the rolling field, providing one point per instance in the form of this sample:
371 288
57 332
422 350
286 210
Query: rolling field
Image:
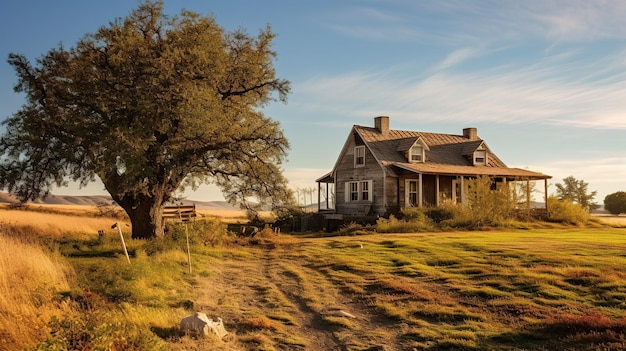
519 290
540 289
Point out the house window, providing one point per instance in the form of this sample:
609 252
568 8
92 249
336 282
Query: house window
412 191
354 191
480 157
359 156
365 191
417 153
359 191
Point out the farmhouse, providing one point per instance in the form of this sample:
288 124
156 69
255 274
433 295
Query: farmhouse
381 170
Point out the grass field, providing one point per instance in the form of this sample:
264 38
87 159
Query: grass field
533 290
540 289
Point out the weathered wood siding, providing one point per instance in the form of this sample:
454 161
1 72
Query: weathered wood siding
428 188
346 172
392 198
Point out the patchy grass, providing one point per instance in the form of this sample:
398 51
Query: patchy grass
561 289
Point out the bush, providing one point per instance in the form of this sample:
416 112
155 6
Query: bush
488 206
615 203
206 231
566 212
394 225
413 214
354 228
445 211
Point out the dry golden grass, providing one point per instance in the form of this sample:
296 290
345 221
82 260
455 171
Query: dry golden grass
57 224
29 280
233 216
612 219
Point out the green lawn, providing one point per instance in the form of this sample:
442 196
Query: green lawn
552 289
540 289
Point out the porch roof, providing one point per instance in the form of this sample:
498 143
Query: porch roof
326 178
458 170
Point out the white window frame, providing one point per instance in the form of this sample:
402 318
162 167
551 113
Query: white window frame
408 192
420 154
359 153
480 154
360 190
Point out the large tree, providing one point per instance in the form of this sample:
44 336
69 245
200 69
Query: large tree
615 203
576 191
151 105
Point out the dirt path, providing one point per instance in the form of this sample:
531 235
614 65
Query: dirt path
275 298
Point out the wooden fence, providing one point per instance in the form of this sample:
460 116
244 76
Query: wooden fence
184 213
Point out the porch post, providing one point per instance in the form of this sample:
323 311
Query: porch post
437 190
327 200
545 193
528 193
319 202
419 189
462 190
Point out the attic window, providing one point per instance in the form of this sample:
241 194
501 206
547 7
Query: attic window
359 156
416 154
480 157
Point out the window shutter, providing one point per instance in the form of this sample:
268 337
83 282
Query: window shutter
370 190
346 187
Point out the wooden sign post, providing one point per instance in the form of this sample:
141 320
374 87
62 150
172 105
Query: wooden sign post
119 230
183 213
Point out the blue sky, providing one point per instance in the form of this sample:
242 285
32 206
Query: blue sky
543 81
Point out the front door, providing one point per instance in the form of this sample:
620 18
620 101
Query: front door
412 193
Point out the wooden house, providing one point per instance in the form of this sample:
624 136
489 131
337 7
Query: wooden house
380 170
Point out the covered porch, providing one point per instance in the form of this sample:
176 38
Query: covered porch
425 185
326 193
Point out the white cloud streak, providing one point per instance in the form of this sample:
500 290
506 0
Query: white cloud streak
540 92
475 21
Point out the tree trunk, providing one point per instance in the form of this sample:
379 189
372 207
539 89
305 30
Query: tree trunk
146 215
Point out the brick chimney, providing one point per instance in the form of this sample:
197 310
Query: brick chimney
470 133
382 124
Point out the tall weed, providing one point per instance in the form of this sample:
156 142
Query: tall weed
30 282
566 212
394 225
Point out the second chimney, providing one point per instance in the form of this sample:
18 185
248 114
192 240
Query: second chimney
470 133
381 124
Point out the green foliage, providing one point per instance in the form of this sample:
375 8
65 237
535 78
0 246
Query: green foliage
444 212
413 214
205 231
394 225
148 279
615 203
576 191
488 206
354 228
151 105
562 211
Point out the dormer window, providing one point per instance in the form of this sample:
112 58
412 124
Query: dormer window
413 148
480 157
359 156
416 153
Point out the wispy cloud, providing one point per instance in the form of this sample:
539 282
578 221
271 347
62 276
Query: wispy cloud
459 21
457 57
541 92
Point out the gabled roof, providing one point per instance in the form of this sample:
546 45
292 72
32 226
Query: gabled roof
407 143
471 146
446 154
